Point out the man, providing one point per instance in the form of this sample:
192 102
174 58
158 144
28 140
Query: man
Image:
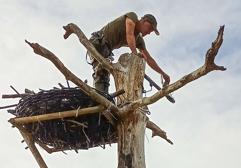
128 31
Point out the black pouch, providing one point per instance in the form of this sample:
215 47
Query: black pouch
96 38
99 42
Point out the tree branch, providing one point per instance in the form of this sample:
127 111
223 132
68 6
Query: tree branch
72 28
70 76
46 148
157 131
50 150
13 105
30 142
57 115
206 68
7 96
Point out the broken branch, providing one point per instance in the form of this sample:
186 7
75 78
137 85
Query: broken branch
205 69
157 131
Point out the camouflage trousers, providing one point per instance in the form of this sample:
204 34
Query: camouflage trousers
101 77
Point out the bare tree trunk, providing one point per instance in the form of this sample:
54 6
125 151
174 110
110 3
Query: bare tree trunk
128 74
131 127
131 132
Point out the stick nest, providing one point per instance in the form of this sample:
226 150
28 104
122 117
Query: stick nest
75 133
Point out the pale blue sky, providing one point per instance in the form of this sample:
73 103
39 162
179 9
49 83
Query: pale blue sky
205 121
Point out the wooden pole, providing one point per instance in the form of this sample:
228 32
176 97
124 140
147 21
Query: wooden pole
131 128
30 142
57 115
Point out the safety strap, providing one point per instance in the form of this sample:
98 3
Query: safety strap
86 58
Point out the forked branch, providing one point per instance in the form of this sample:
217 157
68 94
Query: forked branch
208 66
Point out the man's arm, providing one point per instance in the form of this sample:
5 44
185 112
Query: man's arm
130 37
152 63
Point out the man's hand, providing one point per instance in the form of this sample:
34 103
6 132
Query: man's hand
166 78
152 63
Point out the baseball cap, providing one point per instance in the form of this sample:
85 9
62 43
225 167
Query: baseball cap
151 19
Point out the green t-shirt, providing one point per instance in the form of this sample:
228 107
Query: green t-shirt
115 32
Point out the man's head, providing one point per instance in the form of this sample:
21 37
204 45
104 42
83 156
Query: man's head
148 24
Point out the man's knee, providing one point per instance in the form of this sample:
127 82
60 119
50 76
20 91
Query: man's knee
101 76
101 80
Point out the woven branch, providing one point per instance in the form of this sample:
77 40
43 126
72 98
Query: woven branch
51 118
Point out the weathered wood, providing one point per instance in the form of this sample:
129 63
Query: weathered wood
131 140
129 73
30 142
205 69
70 76
132 79
131 128
157 131
57 115
72 28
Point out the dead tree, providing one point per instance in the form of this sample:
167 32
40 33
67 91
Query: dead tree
130 118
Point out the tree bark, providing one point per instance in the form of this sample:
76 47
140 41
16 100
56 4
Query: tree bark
131 127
